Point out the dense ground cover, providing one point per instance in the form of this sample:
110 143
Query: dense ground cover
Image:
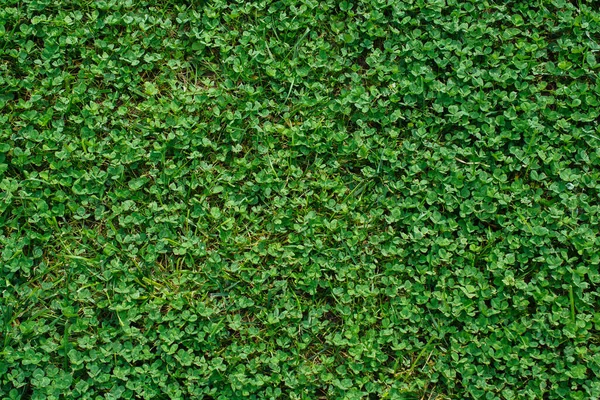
299 199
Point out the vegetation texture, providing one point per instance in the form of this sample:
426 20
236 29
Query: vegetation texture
299 199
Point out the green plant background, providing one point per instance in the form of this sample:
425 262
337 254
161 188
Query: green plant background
299 199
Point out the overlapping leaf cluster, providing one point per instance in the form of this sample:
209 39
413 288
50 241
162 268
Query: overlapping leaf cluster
299 199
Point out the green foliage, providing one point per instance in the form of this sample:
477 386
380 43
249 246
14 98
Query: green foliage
299 199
